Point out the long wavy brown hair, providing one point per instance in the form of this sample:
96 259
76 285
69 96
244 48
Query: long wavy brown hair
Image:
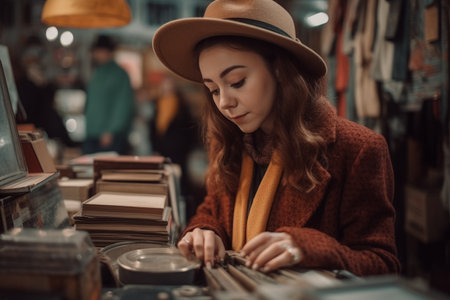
300 146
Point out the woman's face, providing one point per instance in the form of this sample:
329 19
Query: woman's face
241 84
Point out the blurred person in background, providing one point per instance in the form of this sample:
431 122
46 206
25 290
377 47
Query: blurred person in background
174 131
110 105
36 93
145 112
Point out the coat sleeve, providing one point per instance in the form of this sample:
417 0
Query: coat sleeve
212 214
365 244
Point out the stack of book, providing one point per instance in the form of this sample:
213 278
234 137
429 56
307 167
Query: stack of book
117 217
131 201
74 191
83 166
132 181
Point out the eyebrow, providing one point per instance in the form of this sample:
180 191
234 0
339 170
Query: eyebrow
225 72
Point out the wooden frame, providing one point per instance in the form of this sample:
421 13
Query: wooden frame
12 162
9 77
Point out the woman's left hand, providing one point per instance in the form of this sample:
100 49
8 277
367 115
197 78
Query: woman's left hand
269 251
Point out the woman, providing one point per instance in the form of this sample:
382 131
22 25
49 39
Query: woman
289 183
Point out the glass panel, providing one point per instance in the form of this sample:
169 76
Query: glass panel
12 163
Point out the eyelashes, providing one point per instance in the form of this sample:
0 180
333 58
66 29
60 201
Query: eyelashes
238 84
235 85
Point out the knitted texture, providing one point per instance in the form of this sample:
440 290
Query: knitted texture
346 221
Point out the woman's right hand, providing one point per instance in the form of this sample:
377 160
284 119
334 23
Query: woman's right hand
206 245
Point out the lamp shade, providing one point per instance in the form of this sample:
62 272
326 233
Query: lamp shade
86 13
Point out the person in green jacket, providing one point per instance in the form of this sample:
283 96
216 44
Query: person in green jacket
110 105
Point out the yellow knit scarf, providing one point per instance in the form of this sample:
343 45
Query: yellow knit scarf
244 229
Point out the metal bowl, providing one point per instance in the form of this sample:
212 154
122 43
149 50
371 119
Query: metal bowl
157 266
114 251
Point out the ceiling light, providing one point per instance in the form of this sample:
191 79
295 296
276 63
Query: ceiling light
317 19
66 38
86 13
51 33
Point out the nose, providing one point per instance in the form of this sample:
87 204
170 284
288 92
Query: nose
226 100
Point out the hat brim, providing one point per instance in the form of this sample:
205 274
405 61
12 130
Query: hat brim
174 44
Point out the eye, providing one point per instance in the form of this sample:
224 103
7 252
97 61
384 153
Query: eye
214 92
238 84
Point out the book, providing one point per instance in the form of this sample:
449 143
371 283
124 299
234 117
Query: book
106 230
122 227
151 162
123 205
128 236
125 162
76 189
132 175
83 166
108 224
72 207
29 183
132 187
36 154
88 159
166 218
101 239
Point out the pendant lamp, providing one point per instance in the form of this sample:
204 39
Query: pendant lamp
86 13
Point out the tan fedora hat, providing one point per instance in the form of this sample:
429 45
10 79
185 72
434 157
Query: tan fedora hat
175 41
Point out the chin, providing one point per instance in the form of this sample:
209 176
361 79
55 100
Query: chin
247 129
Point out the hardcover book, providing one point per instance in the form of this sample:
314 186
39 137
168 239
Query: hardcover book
132 187
132 175
122 205
109 224
126 162
76 189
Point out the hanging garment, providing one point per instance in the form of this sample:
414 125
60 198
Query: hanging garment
366 97
383 56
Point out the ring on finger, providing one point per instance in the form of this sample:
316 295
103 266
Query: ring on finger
293 252
187 240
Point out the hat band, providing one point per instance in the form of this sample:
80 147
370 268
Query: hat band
261 25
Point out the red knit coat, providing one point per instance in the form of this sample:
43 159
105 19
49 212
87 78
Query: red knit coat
347 221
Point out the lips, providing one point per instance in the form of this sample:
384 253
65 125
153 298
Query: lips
239 118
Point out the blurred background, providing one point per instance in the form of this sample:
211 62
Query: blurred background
388 70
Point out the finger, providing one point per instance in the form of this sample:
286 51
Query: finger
185 245
296 255
220 247
197 243
209 247
254 243
252 256
288 255
267 254
282 260
258 244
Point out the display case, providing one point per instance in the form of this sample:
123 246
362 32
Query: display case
12 164
57 263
